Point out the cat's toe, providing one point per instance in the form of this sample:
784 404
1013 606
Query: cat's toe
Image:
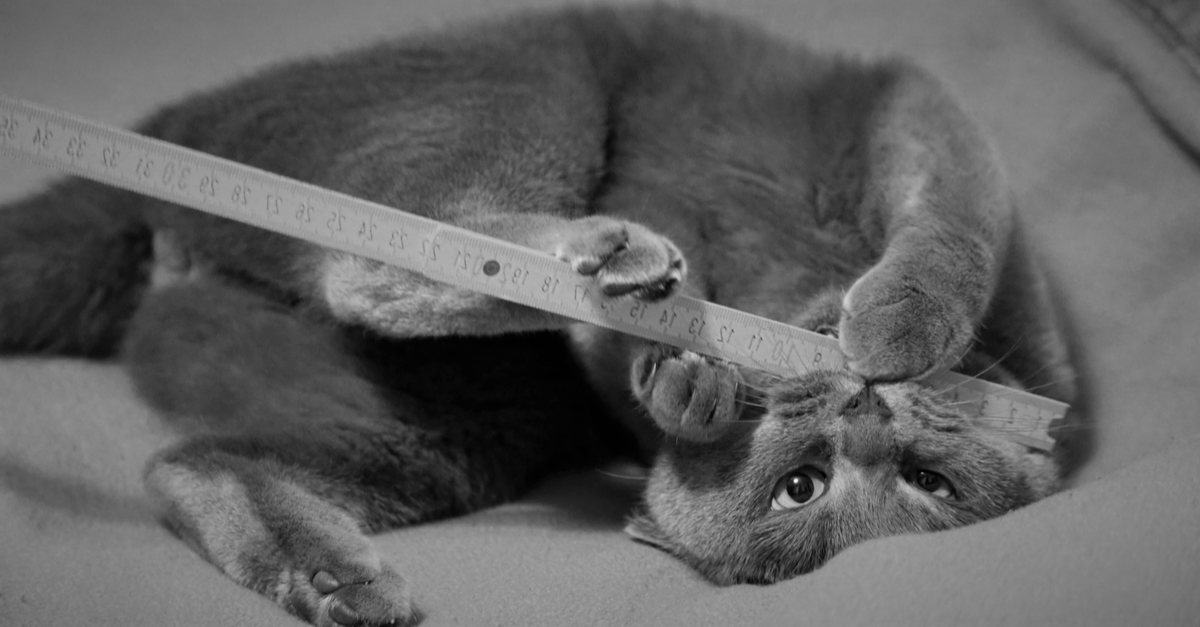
382 600
689 396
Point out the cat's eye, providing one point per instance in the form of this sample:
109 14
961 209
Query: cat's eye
931 482
798 488
829 330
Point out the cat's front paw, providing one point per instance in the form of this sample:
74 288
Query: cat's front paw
625 258
689 396
894 328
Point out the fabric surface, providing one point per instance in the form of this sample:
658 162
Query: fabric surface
1096 130
1152 44
1177 22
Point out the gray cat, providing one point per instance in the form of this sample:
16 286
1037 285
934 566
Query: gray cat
326 397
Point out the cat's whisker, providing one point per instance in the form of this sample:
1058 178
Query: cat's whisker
616 475
1004 424
979 375
1000 393
753 390
1035 388
1005 420
958 403
757 390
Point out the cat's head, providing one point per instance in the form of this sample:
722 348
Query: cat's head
830 462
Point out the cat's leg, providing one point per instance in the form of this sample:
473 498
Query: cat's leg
286 515
937 211
271 527
303 454
623 258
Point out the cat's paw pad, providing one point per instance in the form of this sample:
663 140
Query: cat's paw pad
689 396
351 594
895 329
625 258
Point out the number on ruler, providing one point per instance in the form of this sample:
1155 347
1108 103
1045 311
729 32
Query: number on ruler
304 210
240 195
336 218
9 126
366 230
145 167
41 137
429 249
396 241
755 343
75 146
208 185
462 260
109 156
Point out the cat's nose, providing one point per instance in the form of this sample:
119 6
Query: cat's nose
867 437
866 404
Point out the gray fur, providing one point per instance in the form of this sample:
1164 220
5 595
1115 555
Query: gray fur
325 396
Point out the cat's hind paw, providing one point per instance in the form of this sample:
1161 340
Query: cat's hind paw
626 259
336 578
352 598
267 531
689 396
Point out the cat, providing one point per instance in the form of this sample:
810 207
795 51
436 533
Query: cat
658 150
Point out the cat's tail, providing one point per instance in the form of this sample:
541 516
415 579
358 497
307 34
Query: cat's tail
74 261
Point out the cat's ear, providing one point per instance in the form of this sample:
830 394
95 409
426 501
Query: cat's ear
642 527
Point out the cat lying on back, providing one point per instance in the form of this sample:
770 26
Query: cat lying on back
328 396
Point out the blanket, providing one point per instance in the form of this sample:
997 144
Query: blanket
1094 107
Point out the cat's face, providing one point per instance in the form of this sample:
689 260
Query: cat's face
831 462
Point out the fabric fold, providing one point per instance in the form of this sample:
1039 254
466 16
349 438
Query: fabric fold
1155 46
